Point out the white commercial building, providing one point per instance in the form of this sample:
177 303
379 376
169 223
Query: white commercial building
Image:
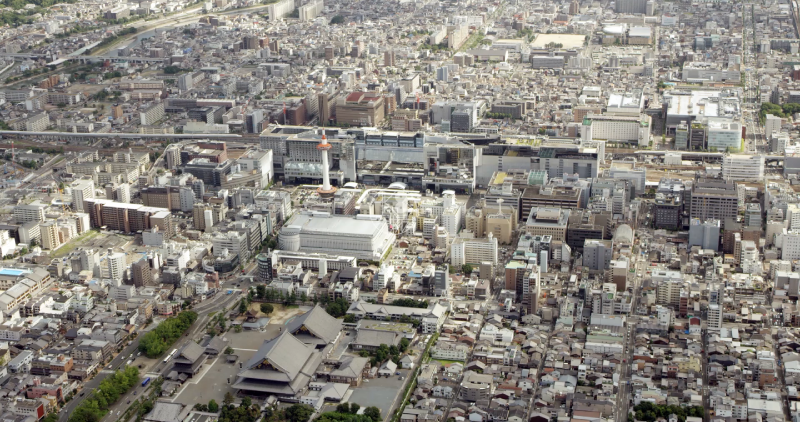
468 250
627 104
704 234
772 124
260 163
628 170
362 236
234 243
620 128
699 72
790 246
742 167
723 134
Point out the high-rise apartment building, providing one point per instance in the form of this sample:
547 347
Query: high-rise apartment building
115 265
389 58
468 250
50 235
141 273
82 190
26 213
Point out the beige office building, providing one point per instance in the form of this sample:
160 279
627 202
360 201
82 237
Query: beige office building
49 233
483 221
361 109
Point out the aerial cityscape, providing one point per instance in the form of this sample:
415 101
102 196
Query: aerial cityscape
399 211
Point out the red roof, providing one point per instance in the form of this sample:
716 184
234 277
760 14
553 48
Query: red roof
355 96
360 96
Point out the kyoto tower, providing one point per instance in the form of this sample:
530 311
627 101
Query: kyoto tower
326 190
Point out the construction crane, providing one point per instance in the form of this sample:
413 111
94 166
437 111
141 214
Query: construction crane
65 209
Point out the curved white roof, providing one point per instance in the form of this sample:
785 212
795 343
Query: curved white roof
624 233
614 29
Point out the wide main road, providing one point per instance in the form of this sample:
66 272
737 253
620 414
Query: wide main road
219 301
90 386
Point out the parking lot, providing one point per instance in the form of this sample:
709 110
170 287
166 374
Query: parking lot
380 392
211 382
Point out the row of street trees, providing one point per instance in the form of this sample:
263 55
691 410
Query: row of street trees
157 341
95 406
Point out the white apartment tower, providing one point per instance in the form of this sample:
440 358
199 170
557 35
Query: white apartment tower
115 265
82 190
26 213
714 317
385 279
468 250
123 193
772 125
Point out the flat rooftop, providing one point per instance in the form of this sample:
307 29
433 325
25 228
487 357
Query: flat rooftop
336 224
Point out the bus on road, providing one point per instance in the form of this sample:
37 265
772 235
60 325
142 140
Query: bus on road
145 382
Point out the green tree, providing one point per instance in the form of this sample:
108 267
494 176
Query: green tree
299 413
213 407
466 269
410 303
158 340
338 308
337 20
229 350
373 413
404 343
242 306
266 308
228 399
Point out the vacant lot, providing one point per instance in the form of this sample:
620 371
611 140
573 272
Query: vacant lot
280 314
567 40
93 239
